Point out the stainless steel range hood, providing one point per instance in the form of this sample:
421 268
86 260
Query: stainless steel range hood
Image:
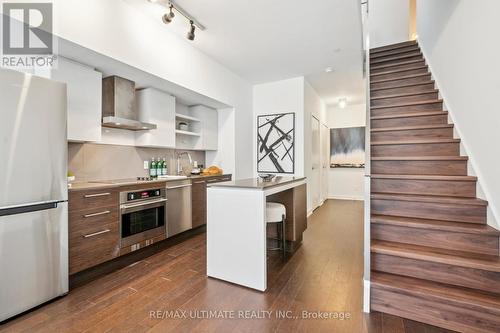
119 109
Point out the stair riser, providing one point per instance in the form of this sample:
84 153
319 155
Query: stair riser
437 272
410 121
407 109
395 60
403 90
396 46
399 82
426 133
430 210
425 187
411 48
397 75
443 168
442 239
449 315
417 149
405 99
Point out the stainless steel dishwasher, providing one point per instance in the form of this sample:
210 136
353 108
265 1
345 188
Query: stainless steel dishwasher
179 217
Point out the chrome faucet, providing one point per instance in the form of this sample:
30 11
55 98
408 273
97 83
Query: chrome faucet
179 167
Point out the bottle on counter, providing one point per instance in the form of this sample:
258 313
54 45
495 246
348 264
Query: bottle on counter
159 168
152 168
164 169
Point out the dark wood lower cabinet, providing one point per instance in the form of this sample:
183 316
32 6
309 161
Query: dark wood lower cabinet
199 198
199 203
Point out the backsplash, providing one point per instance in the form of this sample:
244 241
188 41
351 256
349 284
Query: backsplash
90 162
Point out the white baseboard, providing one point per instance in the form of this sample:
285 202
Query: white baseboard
366 296
345 197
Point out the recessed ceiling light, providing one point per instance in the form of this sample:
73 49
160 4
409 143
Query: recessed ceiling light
328 69
342 103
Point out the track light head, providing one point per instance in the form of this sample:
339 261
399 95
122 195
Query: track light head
190 34
167 18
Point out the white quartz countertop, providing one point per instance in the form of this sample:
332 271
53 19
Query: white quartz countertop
258 183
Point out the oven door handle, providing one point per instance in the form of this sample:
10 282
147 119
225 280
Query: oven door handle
143 204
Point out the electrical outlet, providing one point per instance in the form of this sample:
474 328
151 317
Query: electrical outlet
146 165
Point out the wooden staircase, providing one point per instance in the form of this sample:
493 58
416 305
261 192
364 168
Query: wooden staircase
433 257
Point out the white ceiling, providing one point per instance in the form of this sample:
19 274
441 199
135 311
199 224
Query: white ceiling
263 40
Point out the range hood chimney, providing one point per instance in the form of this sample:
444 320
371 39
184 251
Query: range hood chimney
119 109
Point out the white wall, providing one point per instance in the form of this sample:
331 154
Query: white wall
282 97
119 31
292 95
460 43
389 22
346 183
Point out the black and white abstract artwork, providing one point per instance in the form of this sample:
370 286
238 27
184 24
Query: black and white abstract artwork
347 147
276 143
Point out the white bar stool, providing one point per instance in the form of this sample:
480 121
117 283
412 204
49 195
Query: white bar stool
276 214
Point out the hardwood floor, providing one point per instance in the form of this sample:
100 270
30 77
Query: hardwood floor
325 274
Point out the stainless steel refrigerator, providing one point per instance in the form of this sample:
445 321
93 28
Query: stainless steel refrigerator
33 192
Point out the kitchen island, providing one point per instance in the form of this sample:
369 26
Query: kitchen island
237 233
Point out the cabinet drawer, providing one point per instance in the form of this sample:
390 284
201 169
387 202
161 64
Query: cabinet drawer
92 246
92 218
80 200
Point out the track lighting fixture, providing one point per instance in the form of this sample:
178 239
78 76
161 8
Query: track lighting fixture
167 18
190 34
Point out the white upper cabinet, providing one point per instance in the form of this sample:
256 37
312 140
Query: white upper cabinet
208 118
84 87
156 107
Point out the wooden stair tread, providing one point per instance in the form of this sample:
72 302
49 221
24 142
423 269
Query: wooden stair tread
434 290
426 177
431 101
405 85
394 71
410 142
411 222
420 158
409 62
395 57
411 115
429 199
443 256
400 50
410 76
393 46
409 128
405 94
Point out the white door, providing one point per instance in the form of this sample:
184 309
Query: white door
325 160
316 163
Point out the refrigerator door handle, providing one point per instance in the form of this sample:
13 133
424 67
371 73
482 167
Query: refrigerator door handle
29 208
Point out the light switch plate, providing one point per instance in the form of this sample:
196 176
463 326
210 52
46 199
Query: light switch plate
146 165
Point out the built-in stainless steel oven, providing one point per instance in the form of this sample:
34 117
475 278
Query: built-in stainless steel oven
143 216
